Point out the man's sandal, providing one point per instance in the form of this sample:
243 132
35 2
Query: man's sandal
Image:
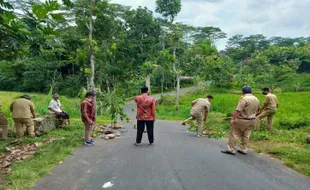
228 152
244 153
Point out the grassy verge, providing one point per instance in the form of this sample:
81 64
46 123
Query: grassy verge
286 142
25 173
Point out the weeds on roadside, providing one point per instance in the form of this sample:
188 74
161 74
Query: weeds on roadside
287 140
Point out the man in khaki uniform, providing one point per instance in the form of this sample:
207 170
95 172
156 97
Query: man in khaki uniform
200 106
3 124
242 122
270 106
23 113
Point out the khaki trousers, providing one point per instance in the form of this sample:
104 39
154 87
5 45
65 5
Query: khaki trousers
88 131
3 127
199 119
269 113
240 129
19 125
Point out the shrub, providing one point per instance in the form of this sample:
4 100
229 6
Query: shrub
167 100
293 122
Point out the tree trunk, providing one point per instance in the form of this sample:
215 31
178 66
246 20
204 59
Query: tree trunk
91 47
178 91
148 82
162 86
177 75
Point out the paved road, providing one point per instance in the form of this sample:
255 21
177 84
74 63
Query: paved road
177 161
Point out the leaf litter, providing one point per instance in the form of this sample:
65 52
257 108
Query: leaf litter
20 153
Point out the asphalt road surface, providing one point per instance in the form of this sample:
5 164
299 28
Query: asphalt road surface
178 160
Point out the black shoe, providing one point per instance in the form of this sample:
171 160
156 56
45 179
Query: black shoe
151 144
244 153
228 152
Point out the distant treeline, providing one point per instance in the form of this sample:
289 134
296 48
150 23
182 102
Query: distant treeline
44 46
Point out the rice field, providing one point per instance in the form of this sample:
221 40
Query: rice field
291 124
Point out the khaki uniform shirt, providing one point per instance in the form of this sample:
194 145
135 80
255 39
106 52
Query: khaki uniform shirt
200 106
22 108
272 101
248 106
1 113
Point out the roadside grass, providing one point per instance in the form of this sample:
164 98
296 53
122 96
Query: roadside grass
41 102
25 173
286 142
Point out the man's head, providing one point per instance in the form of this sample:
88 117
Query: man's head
55 96
210 98
246 90
265 91
144 90
90 95
26 96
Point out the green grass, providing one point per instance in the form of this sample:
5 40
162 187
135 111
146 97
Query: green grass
24 174
287 140
41 102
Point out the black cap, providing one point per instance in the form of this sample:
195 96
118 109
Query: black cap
247 90
265 89
26 96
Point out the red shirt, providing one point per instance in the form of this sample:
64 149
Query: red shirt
146 108
88 112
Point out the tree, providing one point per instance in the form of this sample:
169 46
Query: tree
170 9
209 32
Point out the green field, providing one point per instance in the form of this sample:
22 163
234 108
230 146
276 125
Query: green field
287 140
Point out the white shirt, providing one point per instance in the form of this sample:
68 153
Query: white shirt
55 105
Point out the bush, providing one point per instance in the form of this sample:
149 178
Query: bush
293 122
167 100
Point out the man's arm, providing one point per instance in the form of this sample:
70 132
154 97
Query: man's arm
53 110
32 110
206 115
50 107
154 109
194 102
84 113
241 105
234 117
264 106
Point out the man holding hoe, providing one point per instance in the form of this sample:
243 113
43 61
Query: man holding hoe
200 107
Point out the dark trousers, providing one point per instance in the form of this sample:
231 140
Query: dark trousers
150 130
63 115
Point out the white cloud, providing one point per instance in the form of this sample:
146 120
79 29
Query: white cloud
269 17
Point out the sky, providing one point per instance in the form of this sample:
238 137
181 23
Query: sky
287 18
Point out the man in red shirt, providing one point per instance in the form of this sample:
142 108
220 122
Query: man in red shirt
146 115
88 112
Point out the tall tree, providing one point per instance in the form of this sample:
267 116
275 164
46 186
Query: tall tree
170 9
210 33
91 45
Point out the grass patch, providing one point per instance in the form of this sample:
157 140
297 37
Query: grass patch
24 174
41 102
286 142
